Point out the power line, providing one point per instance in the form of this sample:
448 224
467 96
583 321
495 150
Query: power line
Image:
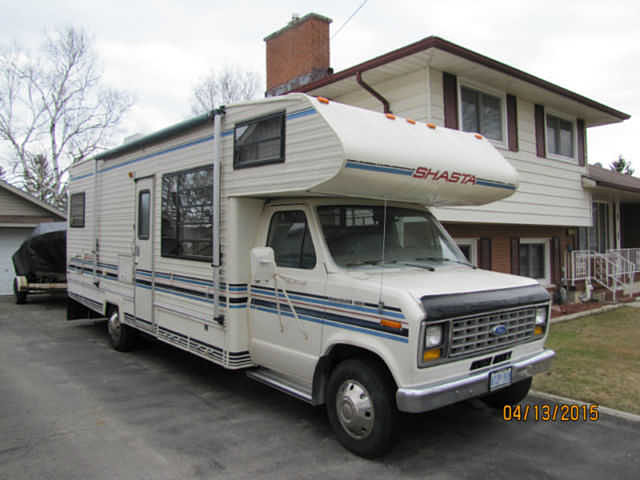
347 20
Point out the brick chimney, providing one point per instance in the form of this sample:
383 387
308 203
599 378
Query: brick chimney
297 54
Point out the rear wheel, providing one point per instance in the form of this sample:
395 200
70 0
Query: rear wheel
122 336
21 296
361 407
509 395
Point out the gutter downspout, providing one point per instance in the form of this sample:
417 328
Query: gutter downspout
367 87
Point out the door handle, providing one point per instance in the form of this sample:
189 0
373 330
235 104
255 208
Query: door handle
137 251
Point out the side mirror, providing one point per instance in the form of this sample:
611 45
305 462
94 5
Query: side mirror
263 264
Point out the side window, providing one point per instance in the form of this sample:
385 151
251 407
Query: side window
481 112
187 214
259 141
291 241
76 210
144 210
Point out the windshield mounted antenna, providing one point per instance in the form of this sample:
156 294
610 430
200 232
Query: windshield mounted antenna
384 238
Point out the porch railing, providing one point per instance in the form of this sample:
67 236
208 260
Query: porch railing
615 270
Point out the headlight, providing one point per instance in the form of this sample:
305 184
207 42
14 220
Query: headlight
433 336
541 316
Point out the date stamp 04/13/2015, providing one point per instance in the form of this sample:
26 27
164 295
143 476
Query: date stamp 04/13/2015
546 412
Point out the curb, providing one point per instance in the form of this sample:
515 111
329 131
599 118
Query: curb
594 311
632 417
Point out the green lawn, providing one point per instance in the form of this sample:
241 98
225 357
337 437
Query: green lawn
597 360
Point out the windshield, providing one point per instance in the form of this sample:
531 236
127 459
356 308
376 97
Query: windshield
415 238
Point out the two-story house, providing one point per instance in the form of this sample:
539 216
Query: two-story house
539 126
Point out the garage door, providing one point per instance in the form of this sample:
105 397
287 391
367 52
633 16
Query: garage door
10 241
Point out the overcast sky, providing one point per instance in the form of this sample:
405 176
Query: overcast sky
159 49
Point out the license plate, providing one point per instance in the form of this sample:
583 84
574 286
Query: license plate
499 378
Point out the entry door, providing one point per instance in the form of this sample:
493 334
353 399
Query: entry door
281 340
144 250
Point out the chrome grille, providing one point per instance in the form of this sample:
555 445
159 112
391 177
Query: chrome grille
472 334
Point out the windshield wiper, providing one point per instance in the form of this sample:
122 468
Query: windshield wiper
442 259
426 267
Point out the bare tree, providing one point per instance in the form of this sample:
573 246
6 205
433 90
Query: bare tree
54 110
622 166
229 85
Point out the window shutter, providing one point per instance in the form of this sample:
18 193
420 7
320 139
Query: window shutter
450 92
484 253
539 120
512 122
581 137
515 255
555 261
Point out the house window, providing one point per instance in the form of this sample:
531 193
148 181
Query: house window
290 239
259 141
599 233
534 259
76 210
468 246
560 137
481 112
187 214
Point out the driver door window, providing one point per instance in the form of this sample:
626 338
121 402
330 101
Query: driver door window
290 239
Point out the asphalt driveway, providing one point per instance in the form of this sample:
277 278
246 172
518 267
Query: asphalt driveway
71 407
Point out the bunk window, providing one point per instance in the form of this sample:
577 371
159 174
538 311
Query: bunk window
144 209
76 210
291 241
259 141
187 214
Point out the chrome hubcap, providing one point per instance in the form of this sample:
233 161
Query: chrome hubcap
355 409
114 326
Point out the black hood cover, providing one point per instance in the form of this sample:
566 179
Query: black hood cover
458 304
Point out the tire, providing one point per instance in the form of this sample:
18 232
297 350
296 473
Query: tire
361 407
122 337
21 297
510 395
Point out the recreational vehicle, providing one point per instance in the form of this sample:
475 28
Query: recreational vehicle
291 238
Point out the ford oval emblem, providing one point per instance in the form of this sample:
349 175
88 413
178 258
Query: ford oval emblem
498 330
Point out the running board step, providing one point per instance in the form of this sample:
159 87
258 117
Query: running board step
280 382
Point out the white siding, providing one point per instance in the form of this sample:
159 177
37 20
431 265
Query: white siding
550 191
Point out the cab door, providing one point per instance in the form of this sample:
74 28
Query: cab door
144 250
286 325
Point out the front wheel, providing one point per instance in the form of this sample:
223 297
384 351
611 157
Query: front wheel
510 395
122 337
361 407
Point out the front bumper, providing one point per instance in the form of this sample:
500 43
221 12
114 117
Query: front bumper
429 397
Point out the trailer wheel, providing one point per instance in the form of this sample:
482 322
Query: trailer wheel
361 407
510 395
122 337
21 296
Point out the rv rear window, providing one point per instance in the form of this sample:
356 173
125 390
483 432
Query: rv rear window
76 210
259 141
187 214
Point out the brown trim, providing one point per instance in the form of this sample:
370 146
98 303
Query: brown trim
555 261
484 253
14 219
441 44
541 147
368 88
450 97
625 188
581 137
512 122
515 255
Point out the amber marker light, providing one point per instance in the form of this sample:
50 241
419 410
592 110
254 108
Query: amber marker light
391 324
431 125
131 174
390 116
431 355
323 100
478 136
412 122
538 330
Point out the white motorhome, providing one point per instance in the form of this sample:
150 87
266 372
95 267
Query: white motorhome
291 238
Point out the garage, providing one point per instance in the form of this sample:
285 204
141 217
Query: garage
19 214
